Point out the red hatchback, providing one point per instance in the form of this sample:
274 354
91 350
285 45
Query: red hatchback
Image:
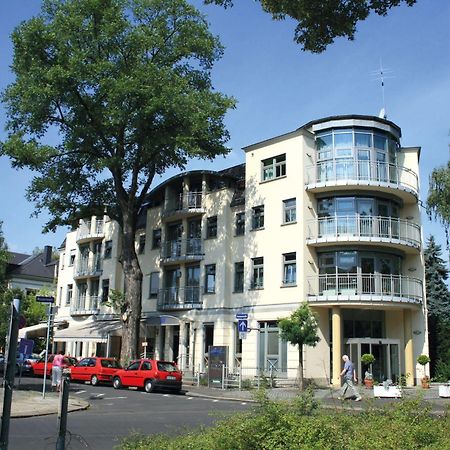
149 374
38 367
95 370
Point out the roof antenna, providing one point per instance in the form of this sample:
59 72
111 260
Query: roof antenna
380 75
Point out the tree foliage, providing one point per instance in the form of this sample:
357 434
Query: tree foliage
319 22
300 328
127 85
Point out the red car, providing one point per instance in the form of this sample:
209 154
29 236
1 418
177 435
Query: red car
149 374
95 370
38 367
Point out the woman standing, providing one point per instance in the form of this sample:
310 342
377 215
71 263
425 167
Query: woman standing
58 363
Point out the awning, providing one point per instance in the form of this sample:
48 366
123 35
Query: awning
162 319
89 331
39 330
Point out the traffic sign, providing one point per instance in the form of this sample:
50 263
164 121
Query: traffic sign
26 346
242 325
45 299
241 316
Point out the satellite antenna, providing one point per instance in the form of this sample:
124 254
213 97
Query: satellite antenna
380 75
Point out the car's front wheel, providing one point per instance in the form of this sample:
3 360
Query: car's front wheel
94 380
148 386
117 384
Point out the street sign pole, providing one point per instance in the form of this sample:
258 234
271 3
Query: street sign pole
9 374
46 348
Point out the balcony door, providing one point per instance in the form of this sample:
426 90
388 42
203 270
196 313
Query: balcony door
174 234
192 284
194 237
172 284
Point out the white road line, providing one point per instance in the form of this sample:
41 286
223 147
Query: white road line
166 395
79 392
215 401
112 398
99 395
189 398
243 403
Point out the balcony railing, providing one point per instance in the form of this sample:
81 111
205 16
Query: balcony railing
357 227
361 172
85 305
182 249
188 297
86 232
365 287
88 268
190 202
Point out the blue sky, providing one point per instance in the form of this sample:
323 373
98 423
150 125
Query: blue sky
278 88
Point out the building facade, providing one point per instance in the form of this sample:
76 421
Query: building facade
326 214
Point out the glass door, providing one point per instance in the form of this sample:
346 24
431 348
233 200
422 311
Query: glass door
363 164
367 279
365 214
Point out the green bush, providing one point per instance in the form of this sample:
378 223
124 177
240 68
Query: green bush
423 360
442 371
301 425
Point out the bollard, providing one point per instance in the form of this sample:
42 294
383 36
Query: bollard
62 412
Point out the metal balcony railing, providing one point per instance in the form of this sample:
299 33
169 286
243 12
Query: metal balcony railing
365 287
188 297
181 249
85 305
86 268
357 227
189 202
362 172
86 232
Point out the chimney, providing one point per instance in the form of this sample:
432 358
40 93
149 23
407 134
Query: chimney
47 254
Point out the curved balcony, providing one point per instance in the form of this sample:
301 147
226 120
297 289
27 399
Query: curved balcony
351 288
371 230
179 298
342 174
184 205
181 250
87 269
86 233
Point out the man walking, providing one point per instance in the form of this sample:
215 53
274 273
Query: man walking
349 374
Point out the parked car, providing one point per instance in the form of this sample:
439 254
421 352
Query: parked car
95 369
19 363
28 361
149 374
38 367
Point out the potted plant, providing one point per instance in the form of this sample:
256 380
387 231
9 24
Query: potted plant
423 360
367 359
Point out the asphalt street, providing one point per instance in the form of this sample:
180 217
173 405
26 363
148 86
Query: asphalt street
115 414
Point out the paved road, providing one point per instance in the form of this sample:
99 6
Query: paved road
117 413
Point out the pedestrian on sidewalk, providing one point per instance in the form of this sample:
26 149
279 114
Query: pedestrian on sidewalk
57 368
349 375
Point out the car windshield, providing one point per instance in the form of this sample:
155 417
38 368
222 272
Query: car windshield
110 363
166 366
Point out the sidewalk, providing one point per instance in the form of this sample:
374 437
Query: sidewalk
31 403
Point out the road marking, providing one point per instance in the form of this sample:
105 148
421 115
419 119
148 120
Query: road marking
166 395
80 392
112 398
189 398
243 403
215 401
99 395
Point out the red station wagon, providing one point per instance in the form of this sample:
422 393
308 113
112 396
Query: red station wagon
149 374
38 367
95 370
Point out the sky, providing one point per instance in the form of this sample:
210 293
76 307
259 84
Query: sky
278 88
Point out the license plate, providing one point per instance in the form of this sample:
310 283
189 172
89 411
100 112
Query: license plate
171 377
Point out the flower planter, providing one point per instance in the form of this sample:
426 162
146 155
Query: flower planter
425 383
387 392
444 391
368 383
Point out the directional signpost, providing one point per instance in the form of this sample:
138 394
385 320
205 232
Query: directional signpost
242 325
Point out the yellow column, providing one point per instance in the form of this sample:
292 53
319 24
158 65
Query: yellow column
409 350
336 321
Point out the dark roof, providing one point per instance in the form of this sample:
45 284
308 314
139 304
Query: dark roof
34 266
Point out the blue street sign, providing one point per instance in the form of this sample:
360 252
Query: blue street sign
242 325
241 316
26 346
44 299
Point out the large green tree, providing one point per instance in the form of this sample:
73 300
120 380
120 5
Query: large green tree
319 22
127 85
438 303
300 329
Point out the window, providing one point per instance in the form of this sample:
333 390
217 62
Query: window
258 217
289 210
154 285
239 277
274 167
105 291
69 294
134 365
240 224
60 296
210 279
63 257
289 268
258 273
211 227
72 257
141 246
108 249
156 239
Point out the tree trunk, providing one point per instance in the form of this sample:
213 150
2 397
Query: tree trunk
300 367
131 309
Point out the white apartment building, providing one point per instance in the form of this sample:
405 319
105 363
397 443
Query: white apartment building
326 214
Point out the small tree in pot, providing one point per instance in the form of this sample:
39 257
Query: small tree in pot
423 360
367 359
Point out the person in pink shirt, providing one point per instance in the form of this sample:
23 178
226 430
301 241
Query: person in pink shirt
58 364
